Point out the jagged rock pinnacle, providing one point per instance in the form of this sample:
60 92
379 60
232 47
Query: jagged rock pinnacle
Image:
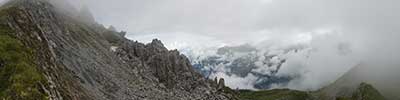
221 83
157 42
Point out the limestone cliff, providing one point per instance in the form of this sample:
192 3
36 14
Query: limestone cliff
75 60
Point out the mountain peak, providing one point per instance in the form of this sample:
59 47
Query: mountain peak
73 60
367 92
157 42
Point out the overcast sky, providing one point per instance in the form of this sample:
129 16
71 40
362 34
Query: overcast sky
370 29
238 21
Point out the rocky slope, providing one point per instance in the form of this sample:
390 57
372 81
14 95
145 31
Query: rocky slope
49 52
385 84
362 92
72 60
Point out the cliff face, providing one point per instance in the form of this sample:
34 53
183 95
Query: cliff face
353 85
81 60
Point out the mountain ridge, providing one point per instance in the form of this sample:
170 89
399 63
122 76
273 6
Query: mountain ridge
56 56
77 61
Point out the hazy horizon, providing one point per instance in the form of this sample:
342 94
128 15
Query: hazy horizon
335 35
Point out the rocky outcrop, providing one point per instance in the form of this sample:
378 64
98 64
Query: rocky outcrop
363 92
78 64
1 63
221 83
169 68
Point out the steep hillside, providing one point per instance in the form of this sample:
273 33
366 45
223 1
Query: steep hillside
19 76
351 86
344 86
52 55
386 84
361 92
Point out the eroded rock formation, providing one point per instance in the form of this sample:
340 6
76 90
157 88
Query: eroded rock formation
76 60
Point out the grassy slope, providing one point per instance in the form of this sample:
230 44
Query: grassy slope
363 92
367 92
276 94
19 77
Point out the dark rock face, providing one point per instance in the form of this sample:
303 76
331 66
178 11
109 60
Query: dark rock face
1 63
81 63
221 83
367 92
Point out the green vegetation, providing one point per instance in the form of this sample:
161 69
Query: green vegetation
19 77
343 98
367 92
363 92
276 94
